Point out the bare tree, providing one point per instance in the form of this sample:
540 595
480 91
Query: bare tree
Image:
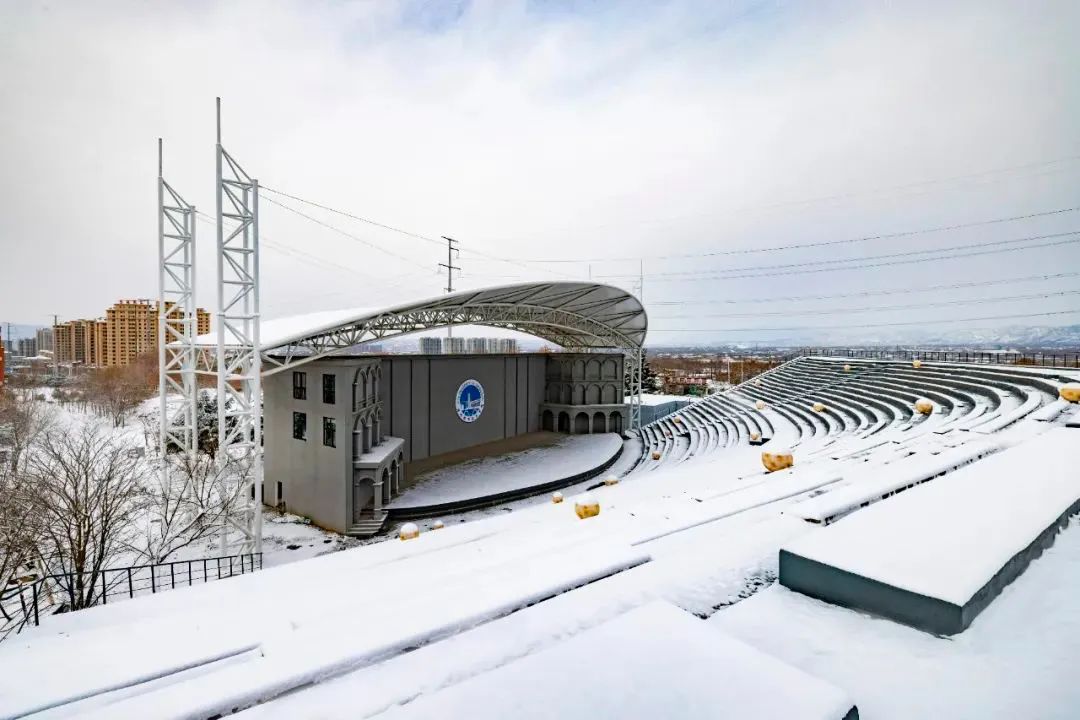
18 527
23 418
88 492
194 500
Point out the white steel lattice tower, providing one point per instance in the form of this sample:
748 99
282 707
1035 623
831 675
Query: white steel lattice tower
177 321
238 362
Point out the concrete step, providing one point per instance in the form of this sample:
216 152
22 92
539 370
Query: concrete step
368 525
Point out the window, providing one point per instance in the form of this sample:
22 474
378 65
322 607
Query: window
329 432
299 385
299 426
329 389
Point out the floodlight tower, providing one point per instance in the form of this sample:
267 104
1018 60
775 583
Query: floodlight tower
450 268
177 322
238 360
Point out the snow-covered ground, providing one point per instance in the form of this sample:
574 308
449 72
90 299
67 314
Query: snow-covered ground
526 601
565 457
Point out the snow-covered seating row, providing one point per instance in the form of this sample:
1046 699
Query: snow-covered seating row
882 482
658 641
935 556
261 635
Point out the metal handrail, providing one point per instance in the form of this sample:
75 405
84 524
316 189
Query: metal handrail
115 583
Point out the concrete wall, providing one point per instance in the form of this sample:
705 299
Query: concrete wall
419 399
313 476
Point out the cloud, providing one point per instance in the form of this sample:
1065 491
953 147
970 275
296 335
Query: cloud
535 130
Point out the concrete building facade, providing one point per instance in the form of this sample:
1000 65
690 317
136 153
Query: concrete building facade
341 431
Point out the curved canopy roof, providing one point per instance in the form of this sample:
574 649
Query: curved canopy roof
579 316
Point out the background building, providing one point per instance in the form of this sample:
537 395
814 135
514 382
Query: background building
431 345
44 339
26 347
129 329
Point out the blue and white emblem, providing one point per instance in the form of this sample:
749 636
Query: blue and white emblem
469 400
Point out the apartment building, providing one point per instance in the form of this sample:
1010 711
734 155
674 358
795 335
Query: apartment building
129 329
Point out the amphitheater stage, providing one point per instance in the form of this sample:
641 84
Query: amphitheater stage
504 470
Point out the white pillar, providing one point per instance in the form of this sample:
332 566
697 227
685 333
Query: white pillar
378 487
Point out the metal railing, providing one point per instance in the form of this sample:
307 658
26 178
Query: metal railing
1036 359
26 603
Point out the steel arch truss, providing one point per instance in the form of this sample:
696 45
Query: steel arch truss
579 317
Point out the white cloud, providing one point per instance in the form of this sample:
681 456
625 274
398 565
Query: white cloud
558 133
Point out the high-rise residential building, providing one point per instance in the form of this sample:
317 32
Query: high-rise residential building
476 345
129 329
454 346
26 347
44 340
431 345
81 341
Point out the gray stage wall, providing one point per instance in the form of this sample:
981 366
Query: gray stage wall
418 394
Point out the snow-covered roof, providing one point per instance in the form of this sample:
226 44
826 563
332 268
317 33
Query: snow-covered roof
573 315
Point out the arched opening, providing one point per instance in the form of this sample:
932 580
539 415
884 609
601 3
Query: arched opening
547 421
361 437
615 422
364 387
581 424
592 370
564 422
610 395
393 478
611 370
567 394
592 395
579 370
386 485
599 423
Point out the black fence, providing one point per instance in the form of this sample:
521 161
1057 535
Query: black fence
25 603
1036 359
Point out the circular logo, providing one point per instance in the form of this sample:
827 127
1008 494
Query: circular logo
469 400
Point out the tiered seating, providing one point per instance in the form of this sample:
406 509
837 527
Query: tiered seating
867 399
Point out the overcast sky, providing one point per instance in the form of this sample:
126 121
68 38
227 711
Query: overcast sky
593 131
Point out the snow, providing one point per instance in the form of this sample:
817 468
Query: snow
526 604
1018 659
970 523
567 456
874 482
655 661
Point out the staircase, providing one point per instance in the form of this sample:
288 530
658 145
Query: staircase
369 524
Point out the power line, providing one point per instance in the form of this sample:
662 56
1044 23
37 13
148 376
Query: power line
886 256
871 325
823 243
716 276
872 293
346 234
828 198
851 311
344 213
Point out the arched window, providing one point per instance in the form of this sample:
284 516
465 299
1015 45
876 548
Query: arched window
611 394
564 422
592 395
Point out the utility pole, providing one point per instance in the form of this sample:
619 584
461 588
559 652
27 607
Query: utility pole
55 360
450 268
